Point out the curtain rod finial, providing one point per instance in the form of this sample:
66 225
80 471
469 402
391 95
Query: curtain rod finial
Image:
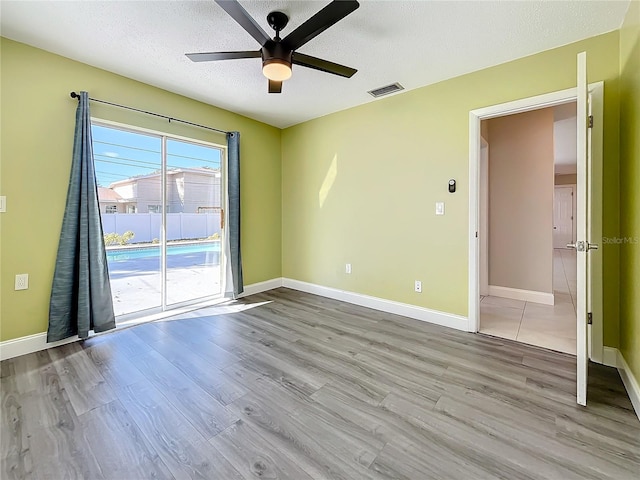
74 95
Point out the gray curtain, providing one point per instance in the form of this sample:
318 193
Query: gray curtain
81 293
234 260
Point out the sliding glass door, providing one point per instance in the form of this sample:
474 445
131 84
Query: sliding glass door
161 207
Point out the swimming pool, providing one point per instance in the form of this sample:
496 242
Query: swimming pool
133 253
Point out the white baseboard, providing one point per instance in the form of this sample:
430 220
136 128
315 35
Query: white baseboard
630 383
34 343
610 357
613 358
261 287
419 313
524 295
29 344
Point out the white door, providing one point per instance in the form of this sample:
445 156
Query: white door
583 226
562 216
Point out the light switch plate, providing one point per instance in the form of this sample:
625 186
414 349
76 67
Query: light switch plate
3 204
439 208
22 281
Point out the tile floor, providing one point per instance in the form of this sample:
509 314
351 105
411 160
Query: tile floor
552 327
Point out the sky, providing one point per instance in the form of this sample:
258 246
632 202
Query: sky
120 154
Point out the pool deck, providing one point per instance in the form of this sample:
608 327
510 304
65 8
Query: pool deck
135 283
140 292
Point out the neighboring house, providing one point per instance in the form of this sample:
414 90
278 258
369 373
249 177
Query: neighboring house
189 190
112 202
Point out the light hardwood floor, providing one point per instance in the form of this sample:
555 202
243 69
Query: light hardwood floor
286 385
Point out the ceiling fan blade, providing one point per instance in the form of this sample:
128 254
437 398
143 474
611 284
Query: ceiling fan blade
240 15
329 15
213 56
322 65
275 86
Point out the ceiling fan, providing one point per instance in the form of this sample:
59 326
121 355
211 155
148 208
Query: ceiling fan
278 54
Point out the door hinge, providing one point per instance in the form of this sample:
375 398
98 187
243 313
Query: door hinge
589 318
476 234
590 121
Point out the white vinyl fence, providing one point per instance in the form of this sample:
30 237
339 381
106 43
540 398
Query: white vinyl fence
146 226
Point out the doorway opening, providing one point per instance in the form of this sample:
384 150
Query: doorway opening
527 275
559 262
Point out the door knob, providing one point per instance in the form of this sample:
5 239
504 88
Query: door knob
583 246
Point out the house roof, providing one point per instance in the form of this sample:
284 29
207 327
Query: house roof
212 172
415 43
108 195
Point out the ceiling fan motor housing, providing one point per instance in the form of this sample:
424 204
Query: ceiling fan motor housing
276 52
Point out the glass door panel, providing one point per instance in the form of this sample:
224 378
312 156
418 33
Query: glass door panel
129 175
193 220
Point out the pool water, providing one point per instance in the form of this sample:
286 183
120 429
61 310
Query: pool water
124 254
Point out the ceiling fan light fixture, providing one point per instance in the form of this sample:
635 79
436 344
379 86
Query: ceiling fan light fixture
278 53
276 69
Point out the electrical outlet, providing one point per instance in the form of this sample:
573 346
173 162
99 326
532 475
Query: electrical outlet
418 286
347 268
22 281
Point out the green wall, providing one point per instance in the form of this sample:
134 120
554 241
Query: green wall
360 186
630 188
37 137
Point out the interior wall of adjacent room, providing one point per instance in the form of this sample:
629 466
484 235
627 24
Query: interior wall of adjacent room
521 201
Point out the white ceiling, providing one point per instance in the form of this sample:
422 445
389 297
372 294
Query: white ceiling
415 43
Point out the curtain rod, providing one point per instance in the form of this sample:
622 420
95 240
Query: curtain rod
75 95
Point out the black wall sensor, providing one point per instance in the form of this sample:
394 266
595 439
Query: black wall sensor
452 186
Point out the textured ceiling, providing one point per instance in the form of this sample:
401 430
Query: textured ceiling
415 43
